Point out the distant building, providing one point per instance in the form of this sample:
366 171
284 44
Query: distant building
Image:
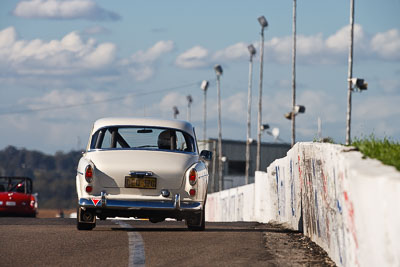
234 153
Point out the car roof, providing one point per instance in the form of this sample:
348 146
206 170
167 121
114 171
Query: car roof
149 122
15 177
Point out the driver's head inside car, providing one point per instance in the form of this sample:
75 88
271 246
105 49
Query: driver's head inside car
167 140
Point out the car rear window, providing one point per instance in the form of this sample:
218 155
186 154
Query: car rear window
14 184
147 138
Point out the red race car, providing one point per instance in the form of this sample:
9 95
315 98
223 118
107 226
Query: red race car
16 197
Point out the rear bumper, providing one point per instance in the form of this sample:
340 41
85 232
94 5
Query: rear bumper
176 204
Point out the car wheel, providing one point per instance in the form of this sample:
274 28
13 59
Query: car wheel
197 222
84 226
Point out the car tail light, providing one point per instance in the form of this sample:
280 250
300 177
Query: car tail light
89 173
32 203
192 177
192 192
89 188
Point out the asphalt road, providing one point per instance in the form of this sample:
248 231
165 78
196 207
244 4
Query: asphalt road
57 242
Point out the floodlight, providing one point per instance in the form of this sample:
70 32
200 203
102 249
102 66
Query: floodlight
204 85
176 111
288 115
218 70
299 109
189 99
252 50
359 84
263 21
264 127
275 133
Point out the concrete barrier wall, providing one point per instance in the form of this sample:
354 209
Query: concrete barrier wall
348 205
231 205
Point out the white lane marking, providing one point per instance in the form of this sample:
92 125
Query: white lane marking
136 246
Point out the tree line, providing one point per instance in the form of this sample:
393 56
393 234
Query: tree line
53 175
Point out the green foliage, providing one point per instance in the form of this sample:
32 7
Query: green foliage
384 150
53 176
324 140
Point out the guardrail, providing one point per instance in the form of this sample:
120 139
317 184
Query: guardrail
348 205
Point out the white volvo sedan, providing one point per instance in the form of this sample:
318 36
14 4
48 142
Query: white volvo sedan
142 168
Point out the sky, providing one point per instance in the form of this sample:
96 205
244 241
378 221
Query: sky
65 64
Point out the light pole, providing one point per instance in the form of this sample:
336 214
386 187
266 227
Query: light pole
218 72
252 52
204 87
190 100
350 74
294 75
263 22
176 112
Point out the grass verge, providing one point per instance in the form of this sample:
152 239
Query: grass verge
387 151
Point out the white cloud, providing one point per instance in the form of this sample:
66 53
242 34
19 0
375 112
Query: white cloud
196 57
170 100
58 128
314 49
141 64
61 98
153 53
311 49
387 45
277 49
66 9
199 57
70 55
339 42
101 56
236 51
7 37
234 107
74 55
141 73
165 107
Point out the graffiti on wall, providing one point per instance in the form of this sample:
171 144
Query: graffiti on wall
328 212
308 199
280 189
292 190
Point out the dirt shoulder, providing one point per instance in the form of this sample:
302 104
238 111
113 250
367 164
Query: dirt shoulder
291 248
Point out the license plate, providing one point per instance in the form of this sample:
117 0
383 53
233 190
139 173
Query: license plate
144 182
10 203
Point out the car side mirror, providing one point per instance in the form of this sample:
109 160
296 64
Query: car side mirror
206 155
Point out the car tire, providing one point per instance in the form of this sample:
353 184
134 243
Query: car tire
198 222
84 226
